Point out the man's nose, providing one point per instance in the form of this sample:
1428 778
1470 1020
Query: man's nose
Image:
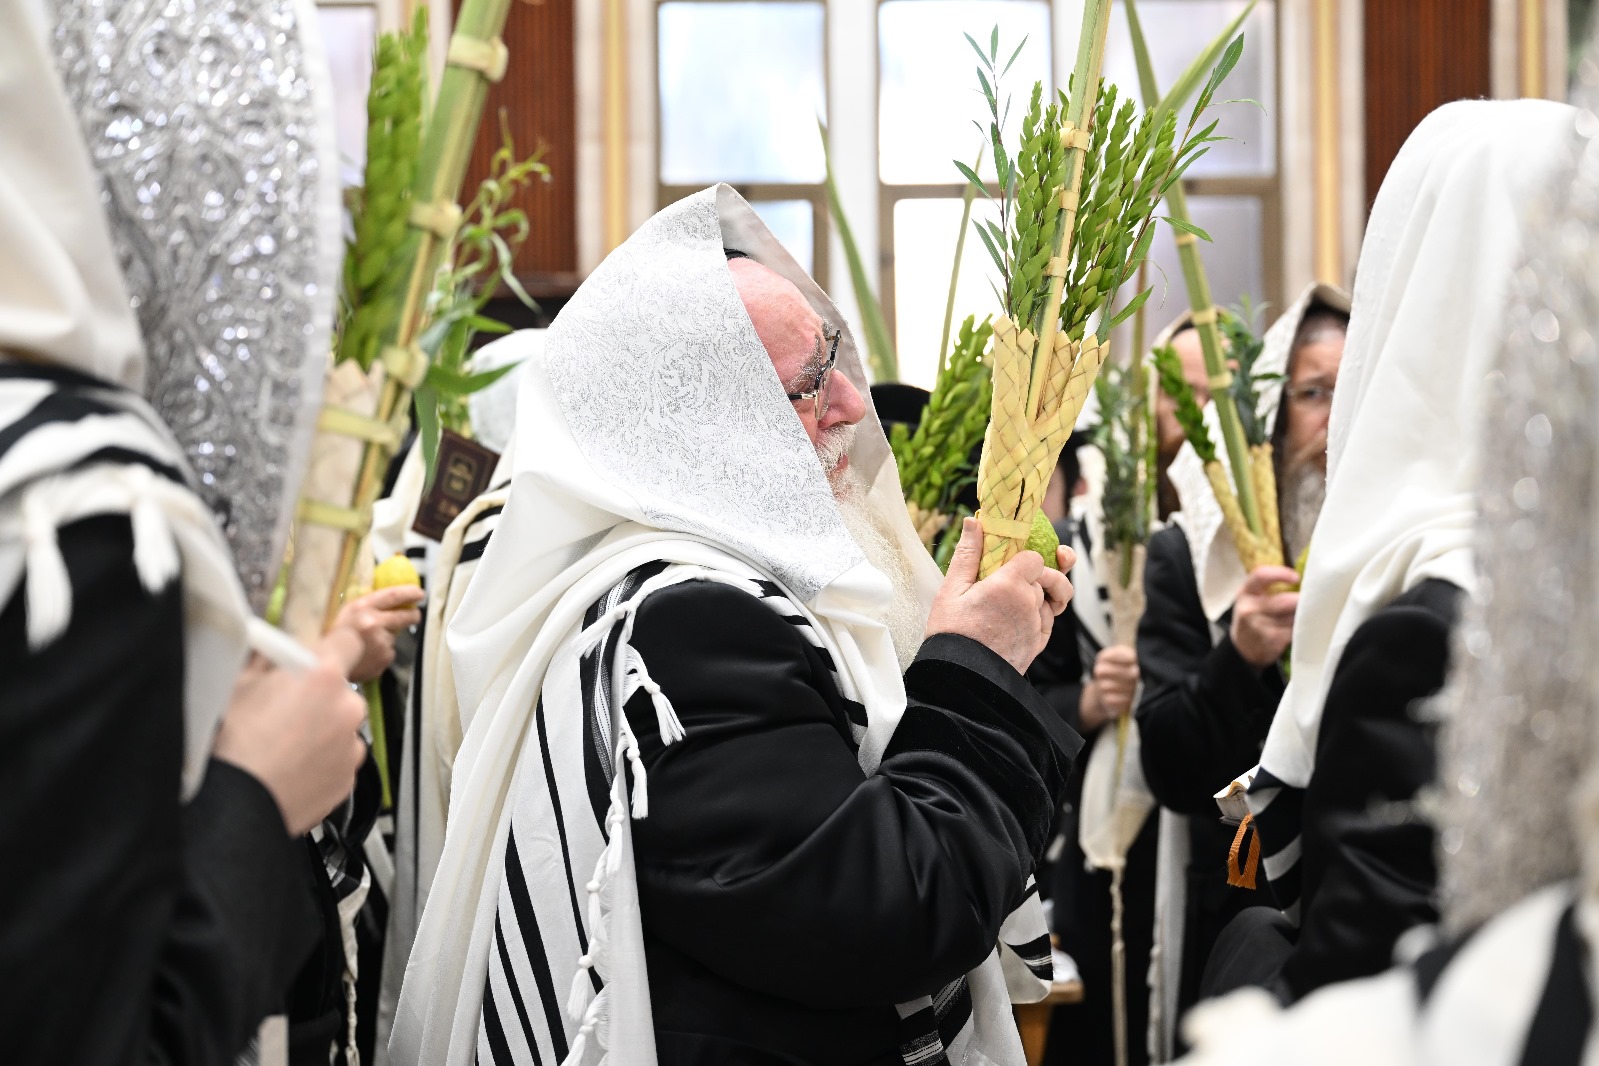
845 407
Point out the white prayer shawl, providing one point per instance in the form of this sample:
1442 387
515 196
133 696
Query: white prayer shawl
650 428
63 303
1481 1009
1402 455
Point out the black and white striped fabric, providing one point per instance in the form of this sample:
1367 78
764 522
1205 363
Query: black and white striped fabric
1278 809
431 734
71 447
554 941
1516 992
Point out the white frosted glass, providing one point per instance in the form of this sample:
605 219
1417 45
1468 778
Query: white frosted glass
1234 262
1174 29
741 88
348 34
792 222
928 94
925 232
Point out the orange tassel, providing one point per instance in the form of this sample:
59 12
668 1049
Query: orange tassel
1244 878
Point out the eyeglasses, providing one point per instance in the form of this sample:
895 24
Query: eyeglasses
823 386
1310 395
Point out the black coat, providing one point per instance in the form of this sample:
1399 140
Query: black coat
136 929
1202 720
1369 871
789 901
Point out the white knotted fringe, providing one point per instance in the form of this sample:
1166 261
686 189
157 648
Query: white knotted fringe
638 677
154 506
49 600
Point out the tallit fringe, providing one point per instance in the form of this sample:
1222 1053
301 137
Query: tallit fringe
637 677
49 599
153 506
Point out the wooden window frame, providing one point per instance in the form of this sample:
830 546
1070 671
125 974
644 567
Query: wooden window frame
815 193
1266 189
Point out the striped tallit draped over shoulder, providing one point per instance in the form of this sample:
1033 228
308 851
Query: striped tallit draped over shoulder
653 446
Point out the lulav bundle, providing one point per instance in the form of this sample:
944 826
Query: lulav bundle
1079 201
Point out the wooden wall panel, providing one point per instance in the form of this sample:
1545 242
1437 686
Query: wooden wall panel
539 97
1419 54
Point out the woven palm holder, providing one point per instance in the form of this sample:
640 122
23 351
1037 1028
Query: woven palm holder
1265 476
1022 446
1250 548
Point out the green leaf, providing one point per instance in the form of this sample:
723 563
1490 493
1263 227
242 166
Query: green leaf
1196 72
1129 311
454 383
1011 62
993 46
968 173
1182 169
1182 225
976 48
1229 59
484 324
988 90
427 428
988 242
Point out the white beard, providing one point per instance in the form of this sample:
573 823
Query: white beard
1303 492
906 622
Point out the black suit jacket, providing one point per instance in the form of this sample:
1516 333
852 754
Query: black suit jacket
1370 872
1202 719
133 928
789 900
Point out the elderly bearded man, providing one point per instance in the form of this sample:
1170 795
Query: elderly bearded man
719 800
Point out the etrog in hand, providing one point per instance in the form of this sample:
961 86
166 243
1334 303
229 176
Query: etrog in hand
1043 540
397 570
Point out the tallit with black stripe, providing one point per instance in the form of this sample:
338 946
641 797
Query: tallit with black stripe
1517 992
554 942
72 447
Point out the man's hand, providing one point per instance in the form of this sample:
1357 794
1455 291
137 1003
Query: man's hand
295 732
374 619
1110 694
1012 612
1263 620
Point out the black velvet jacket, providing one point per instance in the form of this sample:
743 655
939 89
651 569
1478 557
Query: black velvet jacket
133 928
789 900
1202 720
1370 871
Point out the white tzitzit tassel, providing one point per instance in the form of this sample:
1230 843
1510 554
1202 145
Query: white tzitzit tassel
49 598
155 549
638 677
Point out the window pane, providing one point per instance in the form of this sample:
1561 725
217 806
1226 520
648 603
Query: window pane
1174 29
1234 263
741 88
925 232
928 90
792 222
348 34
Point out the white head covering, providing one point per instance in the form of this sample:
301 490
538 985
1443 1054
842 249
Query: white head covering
1401 457
65 303
651 426
624 424
62 300
1217 568
1519 722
